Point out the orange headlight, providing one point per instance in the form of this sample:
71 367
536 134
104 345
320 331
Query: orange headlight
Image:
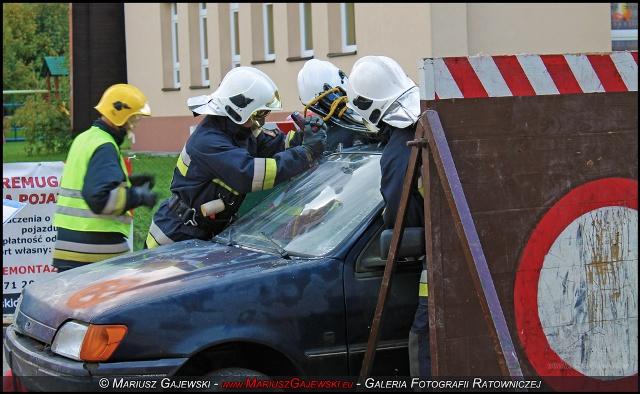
101 341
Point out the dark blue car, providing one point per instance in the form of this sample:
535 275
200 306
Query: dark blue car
288 289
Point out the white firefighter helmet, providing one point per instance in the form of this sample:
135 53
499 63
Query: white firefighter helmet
322 89
243 92
314 75
379 89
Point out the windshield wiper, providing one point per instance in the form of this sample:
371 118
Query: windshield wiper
283 253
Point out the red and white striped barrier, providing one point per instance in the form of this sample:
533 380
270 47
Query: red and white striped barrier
528 75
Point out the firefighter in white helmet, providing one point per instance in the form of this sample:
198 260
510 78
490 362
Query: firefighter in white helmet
322 91
389 103
229 155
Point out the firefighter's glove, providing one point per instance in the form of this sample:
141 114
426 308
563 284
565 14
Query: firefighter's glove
293 138
139 180
144 196
314 138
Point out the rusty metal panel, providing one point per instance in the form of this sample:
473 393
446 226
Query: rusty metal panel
519 159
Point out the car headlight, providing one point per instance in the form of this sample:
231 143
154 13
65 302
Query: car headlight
68 340
87 342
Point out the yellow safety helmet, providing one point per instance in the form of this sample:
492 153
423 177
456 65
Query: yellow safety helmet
121 101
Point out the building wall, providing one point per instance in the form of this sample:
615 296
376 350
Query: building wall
507 29
406 32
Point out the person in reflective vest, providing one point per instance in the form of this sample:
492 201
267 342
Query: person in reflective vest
389 104
92 216
228 155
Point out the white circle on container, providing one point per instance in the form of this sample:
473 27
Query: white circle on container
588 293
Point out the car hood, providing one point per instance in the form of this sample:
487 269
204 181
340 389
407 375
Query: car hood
86 292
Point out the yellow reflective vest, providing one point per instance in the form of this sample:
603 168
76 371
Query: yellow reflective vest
72 211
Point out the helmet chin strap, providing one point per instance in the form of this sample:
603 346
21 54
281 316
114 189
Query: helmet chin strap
371 127
257 120
257 123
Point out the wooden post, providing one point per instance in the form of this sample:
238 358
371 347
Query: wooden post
57 84
434 293
48 95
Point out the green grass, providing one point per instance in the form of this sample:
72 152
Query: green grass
161 167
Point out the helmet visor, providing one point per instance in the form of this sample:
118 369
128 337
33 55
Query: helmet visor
145 110
132 122
275 104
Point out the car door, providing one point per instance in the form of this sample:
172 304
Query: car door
362 278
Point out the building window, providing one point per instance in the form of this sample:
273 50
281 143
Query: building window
235 35
624 26
348 27
267 24
306 31
174 45
204 44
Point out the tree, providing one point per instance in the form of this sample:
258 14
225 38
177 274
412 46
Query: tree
31 31
18 47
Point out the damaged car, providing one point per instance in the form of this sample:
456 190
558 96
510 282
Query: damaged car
288 289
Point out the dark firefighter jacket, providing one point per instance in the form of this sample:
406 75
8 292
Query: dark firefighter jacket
393 164
222 160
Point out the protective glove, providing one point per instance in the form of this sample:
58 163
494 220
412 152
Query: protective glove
314 138
139 180
144 196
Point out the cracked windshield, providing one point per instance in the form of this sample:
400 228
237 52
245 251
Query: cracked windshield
316 212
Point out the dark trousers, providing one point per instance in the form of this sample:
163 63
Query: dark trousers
419 352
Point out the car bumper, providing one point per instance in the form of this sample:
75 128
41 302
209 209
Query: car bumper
41 370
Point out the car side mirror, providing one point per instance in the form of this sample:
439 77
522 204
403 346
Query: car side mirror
412 244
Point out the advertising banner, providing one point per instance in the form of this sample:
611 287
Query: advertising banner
28 237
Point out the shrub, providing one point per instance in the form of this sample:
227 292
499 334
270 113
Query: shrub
47 126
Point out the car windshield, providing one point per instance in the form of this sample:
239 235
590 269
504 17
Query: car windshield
314 213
